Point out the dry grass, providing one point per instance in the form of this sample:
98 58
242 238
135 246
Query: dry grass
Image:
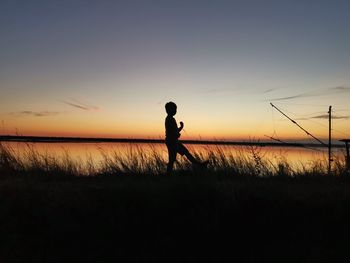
135 161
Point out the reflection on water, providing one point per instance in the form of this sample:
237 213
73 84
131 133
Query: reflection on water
95 152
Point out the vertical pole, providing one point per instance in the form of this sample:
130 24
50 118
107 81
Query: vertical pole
330 140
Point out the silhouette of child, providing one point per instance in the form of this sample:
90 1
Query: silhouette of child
172 135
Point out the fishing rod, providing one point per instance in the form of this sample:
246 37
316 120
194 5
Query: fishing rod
273 106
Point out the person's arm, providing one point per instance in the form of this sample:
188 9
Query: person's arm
181 126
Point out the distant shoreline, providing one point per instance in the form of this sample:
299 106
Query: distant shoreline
37 139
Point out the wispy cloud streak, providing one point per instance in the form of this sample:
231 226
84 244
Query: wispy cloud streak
317 93
81 105
269 90
35 113
325 117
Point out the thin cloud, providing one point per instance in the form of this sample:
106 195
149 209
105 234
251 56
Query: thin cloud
81 105
325 117
317 93
76 105
35 113
303 95
269 90
341 88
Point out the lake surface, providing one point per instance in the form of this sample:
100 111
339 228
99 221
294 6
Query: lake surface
97 152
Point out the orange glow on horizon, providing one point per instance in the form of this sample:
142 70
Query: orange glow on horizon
102 125
140 135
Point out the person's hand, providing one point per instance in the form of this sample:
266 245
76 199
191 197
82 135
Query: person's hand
181 124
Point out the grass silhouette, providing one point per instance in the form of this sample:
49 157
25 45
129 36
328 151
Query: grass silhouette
136 161
243 208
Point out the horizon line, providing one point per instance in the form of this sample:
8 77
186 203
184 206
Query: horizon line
57 139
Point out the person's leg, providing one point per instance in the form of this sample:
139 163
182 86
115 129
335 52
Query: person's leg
184 151
181 149
191 158
172 157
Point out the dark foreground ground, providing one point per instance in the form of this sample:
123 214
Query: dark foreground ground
184 218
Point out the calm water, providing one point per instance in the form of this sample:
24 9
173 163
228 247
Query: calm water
81 152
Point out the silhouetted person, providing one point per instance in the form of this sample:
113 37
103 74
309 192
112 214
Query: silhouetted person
172 135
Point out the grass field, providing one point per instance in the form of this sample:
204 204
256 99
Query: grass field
240 210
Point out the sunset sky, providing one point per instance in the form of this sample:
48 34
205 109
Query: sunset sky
106 68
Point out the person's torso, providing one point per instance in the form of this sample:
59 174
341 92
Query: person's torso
171 129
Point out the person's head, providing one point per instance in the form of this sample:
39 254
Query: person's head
170 108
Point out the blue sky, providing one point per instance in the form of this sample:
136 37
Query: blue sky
222 62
